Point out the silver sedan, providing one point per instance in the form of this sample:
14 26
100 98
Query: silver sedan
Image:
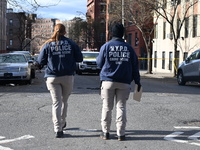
15 67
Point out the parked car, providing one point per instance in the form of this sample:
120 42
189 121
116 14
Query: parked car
30 59
15 67
89 64
189 70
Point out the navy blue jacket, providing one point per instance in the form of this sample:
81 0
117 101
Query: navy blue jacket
119 62
60 57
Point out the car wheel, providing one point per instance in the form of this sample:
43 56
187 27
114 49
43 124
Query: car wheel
180 78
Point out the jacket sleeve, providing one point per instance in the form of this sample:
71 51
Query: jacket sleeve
43 56
101 58
136 73
77 54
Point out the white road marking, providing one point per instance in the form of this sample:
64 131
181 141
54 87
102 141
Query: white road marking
2 137
186 127
195 136
25 137
171 137
5 148
197 144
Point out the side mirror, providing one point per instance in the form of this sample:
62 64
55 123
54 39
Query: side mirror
187 60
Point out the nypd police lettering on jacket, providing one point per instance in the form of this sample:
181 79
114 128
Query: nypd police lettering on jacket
60 57
62 48
119 54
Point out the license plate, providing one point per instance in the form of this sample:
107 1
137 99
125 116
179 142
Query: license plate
7 75
94 68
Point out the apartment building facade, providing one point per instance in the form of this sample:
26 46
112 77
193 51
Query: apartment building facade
3 6
18 30
42 30
96 15
163 55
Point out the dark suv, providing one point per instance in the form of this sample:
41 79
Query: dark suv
189 70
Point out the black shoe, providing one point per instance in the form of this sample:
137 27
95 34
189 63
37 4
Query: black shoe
121 138
59 134
105 136
64 125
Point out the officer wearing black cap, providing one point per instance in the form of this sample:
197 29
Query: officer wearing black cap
119 67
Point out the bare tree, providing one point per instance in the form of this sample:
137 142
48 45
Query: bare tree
33 5
139 15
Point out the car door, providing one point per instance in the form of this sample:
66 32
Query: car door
192 65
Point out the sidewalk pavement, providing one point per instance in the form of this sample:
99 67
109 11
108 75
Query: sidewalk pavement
143 73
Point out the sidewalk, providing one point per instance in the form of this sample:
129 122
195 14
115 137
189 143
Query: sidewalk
143 73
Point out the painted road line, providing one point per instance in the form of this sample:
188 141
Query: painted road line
196 136
2 137
186 127
5 148
25 137
171 137
197 144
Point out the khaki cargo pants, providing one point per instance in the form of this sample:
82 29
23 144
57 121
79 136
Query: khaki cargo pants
119 93
60 89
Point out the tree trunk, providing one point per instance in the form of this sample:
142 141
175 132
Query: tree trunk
149 61
175 57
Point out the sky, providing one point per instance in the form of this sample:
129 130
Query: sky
64 10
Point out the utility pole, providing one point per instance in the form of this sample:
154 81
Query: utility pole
123 12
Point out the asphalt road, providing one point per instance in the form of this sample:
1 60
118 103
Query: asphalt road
167 118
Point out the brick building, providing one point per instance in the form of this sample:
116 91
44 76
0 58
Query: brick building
3 6
42 30
19 30
96 15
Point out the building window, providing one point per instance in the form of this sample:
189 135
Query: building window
164 30
185 55
103 8
155 59
163 60
156 31
186 27
10 22
177 54
175 2
136 39
130 38
11 42
164 4
136 15
178 27
194 33
170 60
10 32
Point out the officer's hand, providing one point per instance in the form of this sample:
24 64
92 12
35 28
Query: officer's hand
139 87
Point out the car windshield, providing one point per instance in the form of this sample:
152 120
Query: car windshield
12 59
93 55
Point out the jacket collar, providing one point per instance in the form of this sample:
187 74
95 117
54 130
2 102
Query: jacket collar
117 39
